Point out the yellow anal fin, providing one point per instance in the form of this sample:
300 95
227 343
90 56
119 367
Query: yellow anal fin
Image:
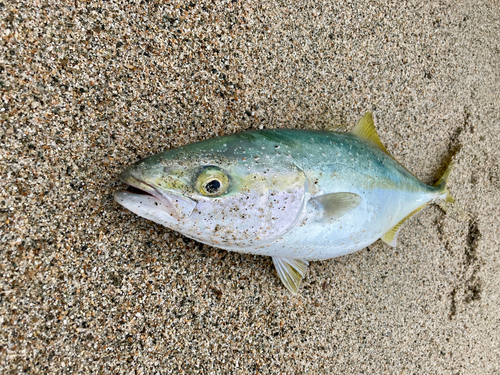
391 236
366 130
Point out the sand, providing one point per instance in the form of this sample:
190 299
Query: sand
87 88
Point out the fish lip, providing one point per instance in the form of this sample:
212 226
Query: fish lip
178 211
134 182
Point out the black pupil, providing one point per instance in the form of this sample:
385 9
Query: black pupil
212 186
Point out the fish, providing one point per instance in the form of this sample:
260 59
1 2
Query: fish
294 195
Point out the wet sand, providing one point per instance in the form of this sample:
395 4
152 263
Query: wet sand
90 87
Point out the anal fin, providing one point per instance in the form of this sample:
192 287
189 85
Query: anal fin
391 236
291 272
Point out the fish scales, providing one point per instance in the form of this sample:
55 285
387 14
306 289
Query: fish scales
294 195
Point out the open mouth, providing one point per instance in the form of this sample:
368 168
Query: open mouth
176 205
134 190
136 186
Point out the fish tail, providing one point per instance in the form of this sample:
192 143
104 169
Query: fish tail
441 184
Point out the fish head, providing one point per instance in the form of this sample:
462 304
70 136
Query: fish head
225 192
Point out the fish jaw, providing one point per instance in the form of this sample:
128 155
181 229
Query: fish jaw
175 205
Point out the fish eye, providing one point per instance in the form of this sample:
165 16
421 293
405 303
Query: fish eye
213 186
212 181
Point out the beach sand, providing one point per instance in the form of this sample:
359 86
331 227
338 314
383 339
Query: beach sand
87 88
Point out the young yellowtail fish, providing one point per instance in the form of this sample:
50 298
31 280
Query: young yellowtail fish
294 195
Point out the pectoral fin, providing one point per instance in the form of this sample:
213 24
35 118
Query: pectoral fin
334 206
391 236
291 272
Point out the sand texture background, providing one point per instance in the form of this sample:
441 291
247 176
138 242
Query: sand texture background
89 87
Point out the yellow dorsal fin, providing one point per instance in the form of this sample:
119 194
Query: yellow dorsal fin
366 130
391 236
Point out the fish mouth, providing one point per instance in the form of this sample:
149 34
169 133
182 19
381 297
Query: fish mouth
178 206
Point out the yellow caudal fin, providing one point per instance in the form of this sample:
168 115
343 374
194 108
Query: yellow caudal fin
441 184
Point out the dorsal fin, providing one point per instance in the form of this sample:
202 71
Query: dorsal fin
391 236
336 128
366 130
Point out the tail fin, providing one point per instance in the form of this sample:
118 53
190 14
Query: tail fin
391 236
441 184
